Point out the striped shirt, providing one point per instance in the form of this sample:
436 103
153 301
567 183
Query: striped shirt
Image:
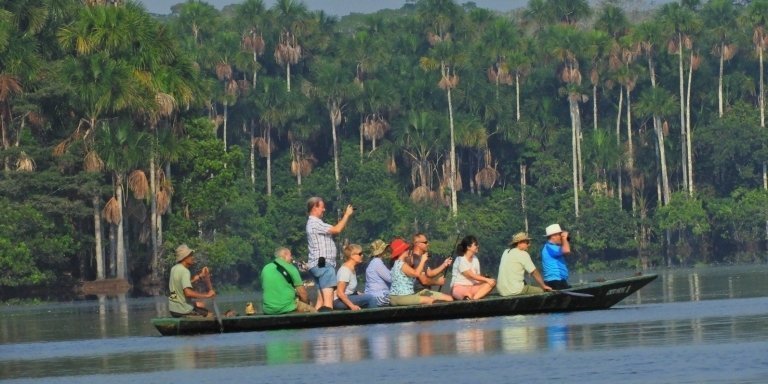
320 242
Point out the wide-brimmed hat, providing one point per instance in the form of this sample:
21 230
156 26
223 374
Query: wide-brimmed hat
518 237
397 247
182 252
553 229
378 247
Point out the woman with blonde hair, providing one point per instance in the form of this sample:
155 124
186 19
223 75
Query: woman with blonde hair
346 295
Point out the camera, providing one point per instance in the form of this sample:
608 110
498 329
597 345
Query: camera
321 262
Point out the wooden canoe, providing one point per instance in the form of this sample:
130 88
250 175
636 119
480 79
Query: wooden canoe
591 296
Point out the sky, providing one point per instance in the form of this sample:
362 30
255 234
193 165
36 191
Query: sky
345 7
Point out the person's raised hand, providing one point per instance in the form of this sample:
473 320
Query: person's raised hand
350 209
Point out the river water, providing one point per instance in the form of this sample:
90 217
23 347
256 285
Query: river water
704 325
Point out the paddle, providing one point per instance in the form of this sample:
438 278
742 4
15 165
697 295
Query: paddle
217 314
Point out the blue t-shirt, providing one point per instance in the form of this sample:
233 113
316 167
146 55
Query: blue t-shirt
553 262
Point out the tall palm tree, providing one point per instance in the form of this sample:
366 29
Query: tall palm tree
563 42
756 17
659 103
679 23
720 20
439 17
198 18
333 88
291 16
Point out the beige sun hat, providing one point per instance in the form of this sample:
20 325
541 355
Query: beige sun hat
378 247
182 252
553 229
518 237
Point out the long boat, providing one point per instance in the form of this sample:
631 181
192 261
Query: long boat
586 297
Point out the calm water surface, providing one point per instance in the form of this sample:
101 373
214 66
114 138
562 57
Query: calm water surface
689 326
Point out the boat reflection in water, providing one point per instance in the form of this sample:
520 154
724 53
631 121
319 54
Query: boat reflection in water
476 337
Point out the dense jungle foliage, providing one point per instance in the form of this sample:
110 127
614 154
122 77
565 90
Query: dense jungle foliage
125 134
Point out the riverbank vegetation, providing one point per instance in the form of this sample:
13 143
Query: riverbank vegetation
125 134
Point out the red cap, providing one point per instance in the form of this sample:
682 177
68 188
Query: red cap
398 247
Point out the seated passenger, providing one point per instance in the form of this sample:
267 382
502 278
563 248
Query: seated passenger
180 301
346 296
466 281
284 291
378 278
404 274
514 263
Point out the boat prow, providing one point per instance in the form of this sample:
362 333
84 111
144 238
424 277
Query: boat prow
591 296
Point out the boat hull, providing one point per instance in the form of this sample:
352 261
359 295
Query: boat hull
592 296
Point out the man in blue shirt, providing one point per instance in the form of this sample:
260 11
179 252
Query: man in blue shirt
553 257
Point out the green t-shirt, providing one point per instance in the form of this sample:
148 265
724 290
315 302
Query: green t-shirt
279 296
179 280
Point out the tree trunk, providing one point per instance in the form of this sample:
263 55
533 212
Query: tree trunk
575 123
618 144
252 158
658 129
362 142
630 152
122 264
523 184
288 75
761 101
720 81
269 160
112 251
688 133
454 199
224 130
97 237
682 110
517 95
155 275
335 110
594 107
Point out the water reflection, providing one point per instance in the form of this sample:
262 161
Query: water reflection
112 334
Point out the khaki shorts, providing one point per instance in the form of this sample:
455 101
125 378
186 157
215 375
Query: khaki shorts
303 307
414 299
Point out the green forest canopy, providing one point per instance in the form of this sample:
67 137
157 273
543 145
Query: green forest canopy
124 135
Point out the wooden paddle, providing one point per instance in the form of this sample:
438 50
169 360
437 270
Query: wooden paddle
216 312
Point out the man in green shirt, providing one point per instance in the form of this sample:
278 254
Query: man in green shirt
180 302
283 288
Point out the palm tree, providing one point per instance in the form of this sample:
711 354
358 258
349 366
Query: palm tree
332 87
291 17
659 103
122 149
679 22
720 20
419 139
564 42
756 17
440 17
196 17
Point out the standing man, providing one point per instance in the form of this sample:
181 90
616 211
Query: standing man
180 302
514 263
283 288
553 257
322 250
430 276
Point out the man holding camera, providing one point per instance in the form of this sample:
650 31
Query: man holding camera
322 250
553 257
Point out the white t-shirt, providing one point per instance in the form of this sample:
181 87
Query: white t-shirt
461 265
346 275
